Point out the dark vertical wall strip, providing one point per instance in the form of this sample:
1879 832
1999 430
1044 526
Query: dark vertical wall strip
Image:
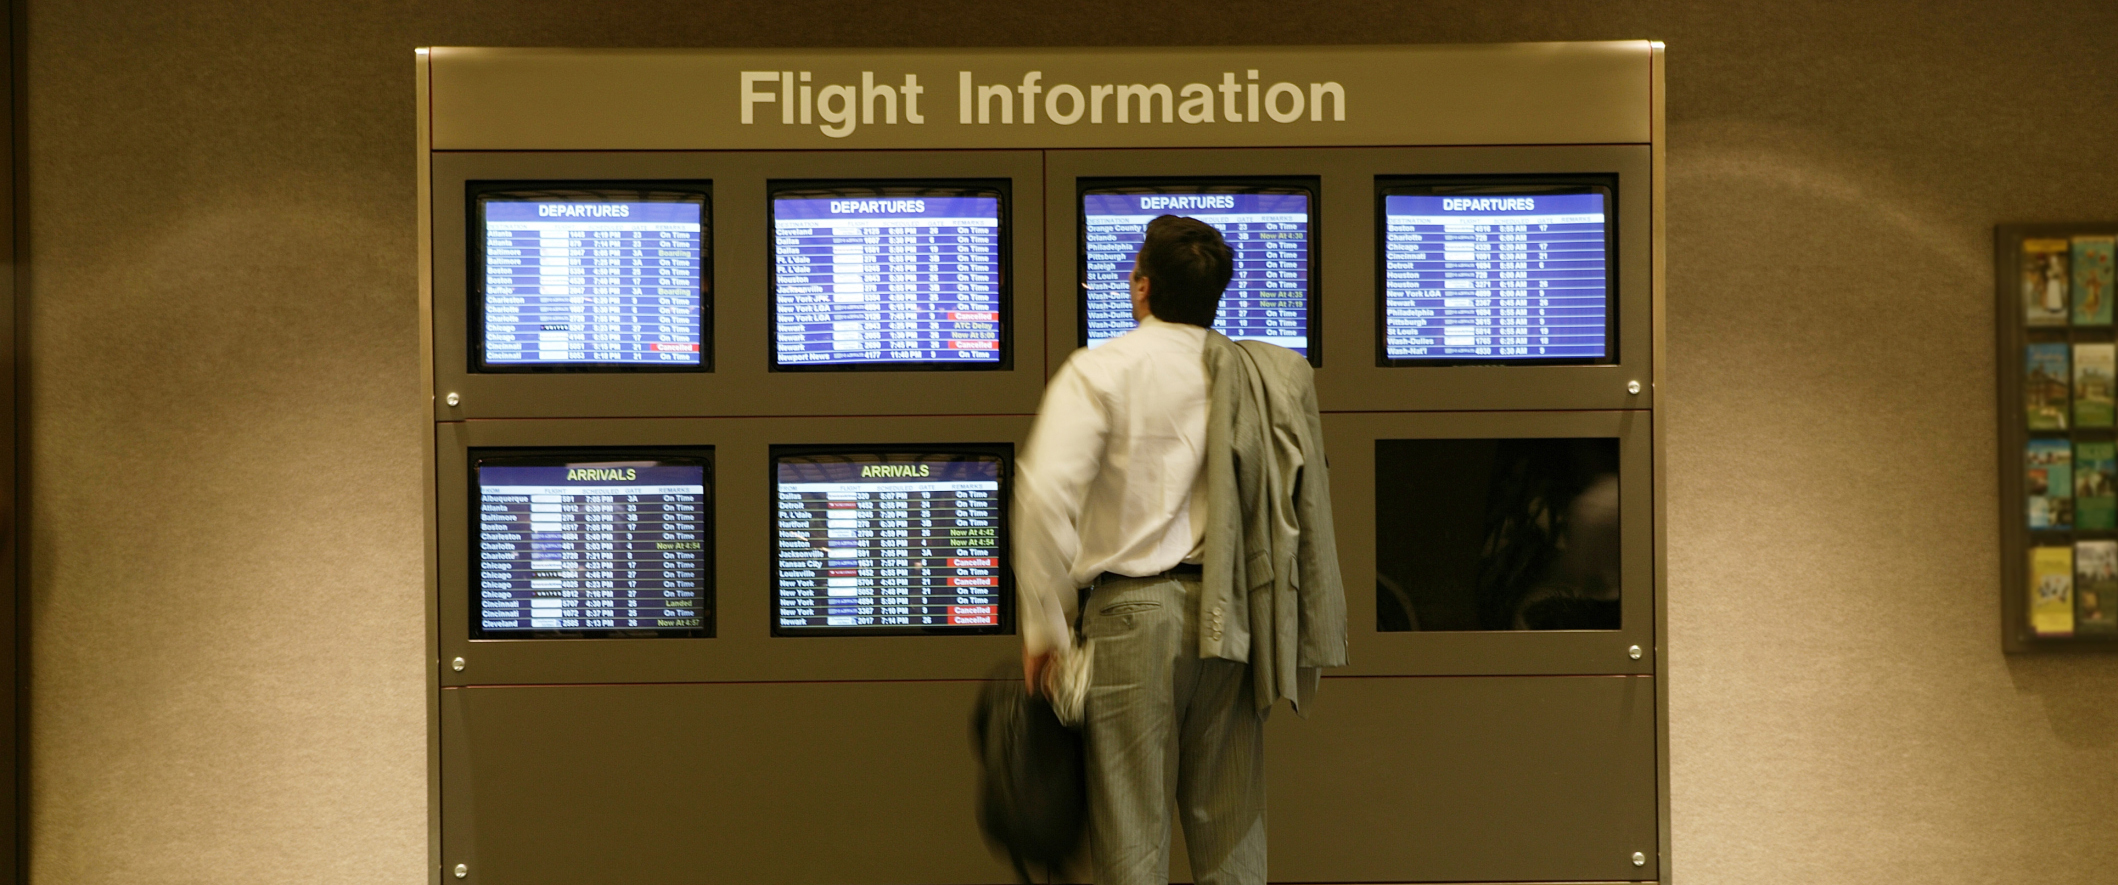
15 632
223 423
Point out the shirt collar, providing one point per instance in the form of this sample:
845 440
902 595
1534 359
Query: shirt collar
1157 323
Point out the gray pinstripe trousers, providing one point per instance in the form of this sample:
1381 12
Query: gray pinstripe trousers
1150 690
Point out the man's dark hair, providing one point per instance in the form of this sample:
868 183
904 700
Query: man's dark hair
1186 264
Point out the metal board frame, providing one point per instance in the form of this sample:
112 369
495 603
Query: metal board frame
469 103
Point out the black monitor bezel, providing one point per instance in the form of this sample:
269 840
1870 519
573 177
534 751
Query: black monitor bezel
776 189
476 193
1499 185
1004 596
557 456
1311 186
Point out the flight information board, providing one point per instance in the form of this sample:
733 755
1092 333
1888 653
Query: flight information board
890 543
892 281
592 549
1495 278
592 283
1268 299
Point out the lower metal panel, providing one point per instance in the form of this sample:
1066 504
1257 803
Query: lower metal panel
1466 779
1490 779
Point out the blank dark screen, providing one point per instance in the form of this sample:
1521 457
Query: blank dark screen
1496 534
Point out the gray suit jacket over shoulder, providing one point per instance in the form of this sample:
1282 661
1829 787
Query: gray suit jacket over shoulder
1271 589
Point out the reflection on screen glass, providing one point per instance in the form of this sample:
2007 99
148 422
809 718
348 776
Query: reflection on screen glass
1496 534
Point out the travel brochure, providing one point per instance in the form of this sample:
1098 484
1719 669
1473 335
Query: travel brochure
2044 385
2095 497
2096 587
2093 370
2045 282
2052 591
2092 281
2049 482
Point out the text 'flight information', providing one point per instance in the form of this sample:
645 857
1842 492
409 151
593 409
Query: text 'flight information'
593 283
906 544
1268 298
1499 278
864 281
590 547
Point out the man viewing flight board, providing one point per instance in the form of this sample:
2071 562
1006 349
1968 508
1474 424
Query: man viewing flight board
1179 477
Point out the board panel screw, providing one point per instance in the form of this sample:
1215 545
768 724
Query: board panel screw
1633 652
462 871
457 664
1639 860
1632 387
453 399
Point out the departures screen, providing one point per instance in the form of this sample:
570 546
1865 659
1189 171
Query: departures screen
881 542
592 547
889 278
1492 277
580 282
1267 229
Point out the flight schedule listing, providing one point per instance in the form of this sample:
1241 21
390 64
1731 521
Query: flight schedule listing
889 544
1268 234
879 280
1495 277
591 547
593 283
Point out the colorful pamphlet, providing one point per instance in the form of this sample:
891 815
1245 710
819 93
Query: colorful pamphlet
2044 385
2095 485
2049 483
2092 281
2096 586
2052 591
2095 365
2044 282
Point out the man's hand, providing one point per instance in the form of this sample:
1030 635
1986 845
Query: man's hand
1033 670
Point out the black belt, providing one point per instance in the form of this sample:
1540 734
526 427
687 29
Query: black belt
1180 570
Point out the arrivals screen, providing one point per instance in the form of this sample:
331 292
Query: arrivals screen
890 541
601 545
1491 276
889 277
579 280
1267 229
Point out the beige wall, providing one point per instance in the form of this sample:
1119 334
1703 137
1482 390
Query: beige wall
225 553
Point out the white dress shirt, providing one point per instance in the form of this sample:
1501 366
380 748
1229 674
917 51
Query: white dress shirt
1110 480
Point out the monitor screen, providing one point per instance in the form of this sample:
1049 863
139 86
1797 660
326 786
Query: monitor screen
889 277
593 278
1497 534
891 541
1270 298
1496 274
592 544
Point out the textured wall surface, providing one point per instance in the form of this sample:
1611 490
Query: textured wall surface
225 547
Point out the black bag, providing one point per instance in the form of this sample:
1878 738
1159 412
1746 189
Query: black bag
1033 788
